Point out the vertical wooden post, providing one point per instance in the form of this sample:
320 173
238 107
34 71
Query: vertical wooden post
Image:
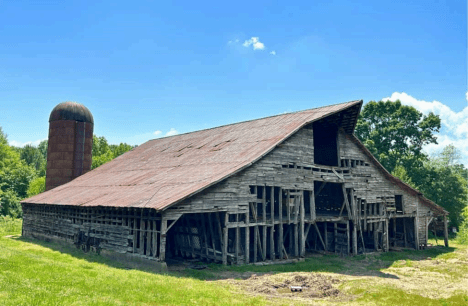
301 226
155 239
387 236
446 242
335 235
280 217
255 254
394 232
162 245
326 236
264 238
237 239
312 206
404 232
225 238
376 235
355 250
416 231
142 243
210 225
272 228
247 237
347 237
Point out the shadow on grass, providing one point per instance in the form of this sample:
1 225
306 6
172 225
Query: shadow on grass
362 265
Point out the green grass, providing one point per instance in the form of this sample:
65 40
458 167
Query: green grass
31 274
45 273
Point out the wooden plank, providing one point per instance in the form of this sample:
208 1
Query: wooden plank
301 226
210 225
347 237
325 236
320 236
280 217
225 238
355 250
220 231
162 245
272 229
335 234
264 246
446 241
247 237
312 206
237 242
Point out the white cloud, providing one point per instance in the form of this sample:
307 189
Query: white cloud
466 95
457 123
273 52
158 132
172 132
454 124
255 43
22 144
235 41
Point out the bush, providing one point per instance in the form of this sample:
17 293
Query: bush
10 226
10 204
36 186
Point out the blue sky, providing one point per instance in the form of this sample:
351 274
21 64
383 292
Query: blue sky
174 67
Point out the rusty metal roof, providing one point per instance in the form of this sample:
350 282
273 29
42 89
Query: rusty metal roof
162 172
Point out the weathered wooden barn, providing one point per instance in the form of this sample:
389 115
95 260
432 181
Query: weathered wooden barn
267 189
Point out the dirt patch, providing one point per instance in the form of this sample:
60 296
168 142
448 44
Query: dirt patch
313 285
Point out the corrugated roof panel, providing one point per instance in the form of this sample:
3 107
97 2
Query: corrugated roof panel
164 171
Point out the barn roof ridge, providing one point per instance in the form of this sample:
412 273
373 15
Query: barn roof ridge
256 119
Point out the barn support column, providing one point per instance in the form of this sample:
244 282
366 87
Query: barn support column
162 245
446 232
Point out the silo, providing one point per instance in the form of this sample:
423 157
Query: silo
70 143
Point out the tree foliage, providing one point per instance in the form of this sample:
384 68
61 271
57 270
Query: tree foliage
396 135
36 186
15 175
103 152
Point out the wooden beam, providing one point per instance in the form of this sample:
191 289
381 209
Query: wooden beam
320 236
162 245
325 236
355 250
301 226
280 217
210 225
264 212
237 245
312 205
347 237
225 238
272 229
446 241
247 237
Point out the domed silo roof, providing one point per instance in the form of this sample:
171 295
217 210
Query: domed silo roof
71 111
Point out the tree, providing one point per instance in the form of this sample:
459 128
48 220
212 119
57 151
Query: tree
34 157
15 176
103 152
36 186
396 134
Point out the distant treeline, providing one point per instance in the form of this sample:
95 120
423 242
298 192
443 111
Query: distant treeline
23 169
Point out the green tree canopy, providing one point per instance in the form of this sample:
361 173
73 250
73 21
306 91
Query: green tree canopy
396 133
103 152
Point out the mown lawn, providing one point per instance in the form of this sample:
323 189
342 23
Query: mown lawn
43 273
31 274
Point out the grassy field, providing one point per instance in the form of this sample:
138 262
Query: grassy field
44 273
